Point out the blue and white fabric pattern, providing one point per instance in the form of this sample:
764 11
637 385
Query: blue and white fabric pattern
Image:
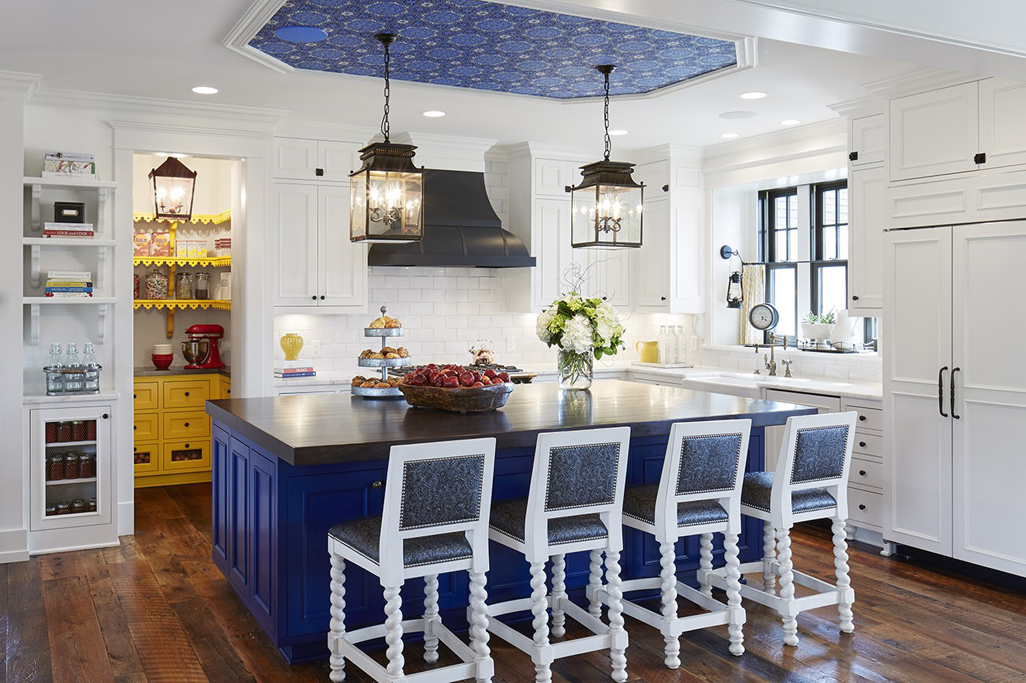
709 463
819 454
581 476
441 491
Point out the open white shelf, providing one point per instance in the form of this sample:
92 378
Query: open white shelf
71 181
102 304
62 482
104 395
49 300
36 245
68 242
65 444
102 188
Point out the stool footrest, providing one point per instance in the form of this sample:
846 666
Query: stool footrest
826 594
717 614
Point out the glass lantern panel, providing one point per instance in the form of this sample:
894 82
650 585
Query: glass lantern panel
394 205
413 194
358 207
173 195
608 215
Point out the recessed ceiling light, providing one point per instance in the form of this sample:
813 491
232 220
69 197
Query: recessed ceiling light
737 115
730 136
618 131
301 34
204 90
754 95
790 122
434 114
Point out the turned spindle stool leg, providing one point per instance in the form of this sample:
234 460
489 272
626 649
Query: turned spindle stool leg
618 656
539 609
479 621
558 594
338 618
668 594
737 615
394 633
769 556
595 581
430 618
843 582
787 587
705 563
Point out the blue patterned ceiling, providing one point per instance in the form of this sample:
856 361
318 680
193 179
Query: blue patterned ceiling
491 46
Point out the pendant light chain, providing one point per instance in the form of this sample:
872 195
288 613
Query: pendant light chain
384 118
605 113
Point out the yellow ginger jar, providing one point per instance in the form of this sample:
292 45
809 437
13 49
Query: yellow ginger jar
291 344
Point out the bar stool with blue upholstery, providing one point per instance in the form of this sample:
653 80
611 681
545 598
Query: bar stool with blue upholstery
699 493
574 504
810 482
434 520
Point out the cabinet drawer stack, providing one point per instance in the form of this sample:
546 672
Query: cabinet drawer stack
865 482
172 429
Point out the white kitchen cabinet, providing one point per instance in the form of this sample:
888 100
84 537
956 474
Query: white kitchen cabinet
551 248
669 272
316 266
655 175
1002 134
867 219
867 140
552 176
955 399
934 133
653 282
315 160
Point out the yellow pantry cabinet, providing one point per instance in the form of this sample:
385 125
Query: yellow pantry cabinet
172 429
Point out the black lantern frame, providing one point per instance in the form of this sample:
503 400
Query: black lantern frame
606 207
386 202
174 189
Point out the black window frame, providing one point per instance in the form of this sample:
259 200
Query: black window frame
818 263
767 253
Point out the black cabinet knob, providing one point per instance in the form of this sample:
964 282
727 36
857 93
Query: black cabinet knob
318 172
105 416
662 298
134 449
314 297
186 424
853 156
862 444
980 158
186 445
862 418
322 297
135 396
854 297
135 427
862 507
377 484
187 393
862 473
605 298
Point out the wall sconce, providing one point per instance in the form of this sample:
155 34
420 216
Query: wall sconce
735 294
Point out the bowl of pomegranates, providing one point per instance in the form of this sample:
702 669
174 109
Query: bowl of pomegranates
456 388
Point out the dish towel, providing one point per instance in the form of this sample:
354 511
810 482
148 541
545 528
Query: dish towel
753 289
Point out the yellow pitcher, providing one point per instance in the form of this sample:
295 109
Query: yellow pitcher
648 350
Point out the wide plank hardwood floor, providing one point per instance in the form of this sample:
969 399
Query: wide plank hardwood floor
156 609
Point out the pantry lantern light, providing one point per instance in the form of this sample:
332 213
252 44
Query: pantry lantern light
174 188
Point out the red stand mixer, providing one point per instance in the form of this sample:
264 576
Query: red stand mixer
201 348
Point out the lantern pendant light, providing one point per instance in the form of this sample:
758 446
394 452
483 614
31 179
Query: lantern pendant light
387 192
606 206
174 187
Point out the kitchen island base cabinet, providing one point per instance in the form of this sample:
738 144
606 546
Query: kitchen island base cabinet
283 577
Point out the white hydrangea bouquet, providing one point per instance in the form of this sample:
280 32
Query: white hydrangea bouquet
582 329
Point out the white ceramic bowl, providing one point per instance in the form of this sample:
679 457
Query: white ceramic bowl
817 330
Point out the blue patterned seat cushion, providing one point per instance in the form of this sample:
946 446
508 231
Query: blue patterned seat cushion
509 517
755 492
639 502
362 535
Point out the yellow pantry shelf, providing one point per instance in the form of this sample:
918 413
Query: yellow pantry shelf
172 304
196 219
213 262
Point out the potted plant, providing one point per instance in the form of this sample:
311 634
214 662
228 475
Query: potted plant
583 330
818 327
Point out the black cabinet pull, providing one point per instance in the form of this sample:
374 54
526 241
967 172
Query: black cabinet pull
980 158
862 444
135 396
318 172
134 449
187 393
322 297
186 424
135 427
862 507
862 473
940 391
662 298
605 298
376 485
105 416
186 445
314 297
853 156
854 297
953 373
862 418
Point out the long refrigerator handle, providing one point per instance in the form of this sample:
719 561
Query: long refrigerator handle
940 391
953 373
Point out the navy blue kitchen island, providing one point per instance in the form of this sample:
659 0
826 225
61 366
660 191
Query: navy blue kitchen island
286 469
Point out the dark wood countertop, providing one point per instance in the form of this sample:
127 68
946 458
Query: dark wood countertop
329 428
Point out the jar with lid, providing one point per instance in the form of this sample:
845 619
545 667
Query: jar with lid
183 285
201 289
51 430
78 431
55 467
63 432
71 465
87 465
78 506
156 285
91 505
51 510
92 369
90 430
62 508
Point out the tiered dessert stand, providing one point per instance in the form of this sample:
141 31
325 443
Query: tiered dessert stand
383 363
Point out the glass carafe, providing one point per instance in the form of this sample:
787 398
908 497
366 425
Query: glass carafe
92 369
74 373
54 380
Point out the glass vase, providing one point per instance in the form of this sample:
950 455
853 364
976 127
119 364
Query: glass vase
575 370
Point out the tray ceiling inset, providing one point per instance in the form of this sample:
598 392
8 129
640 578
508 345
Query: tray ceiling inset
491 46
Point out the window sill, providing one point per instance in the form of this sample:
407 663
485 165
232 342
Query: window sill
860 358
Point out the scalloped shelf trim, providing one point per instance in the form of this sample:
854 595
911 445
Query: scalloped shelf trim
212 261
216 218
182 304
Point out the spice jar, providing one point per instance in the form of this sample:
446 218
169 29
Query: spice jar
62 508
87 465
91 505
55 467
63 432
51 510
78 506
51 431
202 286
91 430
78 431
71 466
183 286
156 285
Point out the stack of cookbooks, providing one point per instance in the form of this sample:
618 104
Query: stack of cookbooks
294 368
67 230
69 284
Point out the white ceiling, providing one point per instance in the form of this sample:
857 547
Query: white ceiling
152 49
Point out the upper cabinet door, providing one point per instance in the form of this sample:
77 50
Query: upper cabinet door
653 290
935 133
336 160
295 159
551 177
295 229
1002 133
342 263
551 246
867 219
868 143
655 175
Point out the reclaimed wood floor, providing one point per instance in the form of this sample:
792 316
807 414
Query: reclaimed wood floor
156 609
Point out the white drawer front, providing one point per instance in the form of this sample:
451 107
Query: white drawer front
865 507
866 473
869 418
868 444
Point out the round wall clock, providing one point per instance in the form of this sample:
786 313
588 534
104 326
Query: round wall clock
764 316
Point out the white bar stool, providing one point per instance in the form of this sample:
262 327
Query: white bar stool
434 520
811 482
699 492
574 504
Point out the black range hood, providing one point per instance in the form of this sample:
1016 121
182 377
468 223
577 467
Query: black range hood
460 229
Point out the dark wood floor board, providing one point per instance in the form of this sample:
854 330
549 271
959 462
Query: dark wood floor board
215 652
194 502
77 651
124 659
66 565
27 641
3 623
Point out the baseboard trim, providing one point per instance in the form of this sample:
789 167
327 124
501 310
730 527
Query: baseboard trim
126 518
14 546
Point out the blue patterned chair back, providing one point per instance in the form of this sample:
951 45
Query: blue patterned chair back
819 453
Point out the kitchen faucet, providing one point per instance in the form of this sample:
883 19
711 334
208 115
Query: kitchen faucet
771 360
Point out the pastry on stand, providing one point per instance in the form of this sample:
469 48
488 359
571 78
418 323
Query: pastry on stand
387 357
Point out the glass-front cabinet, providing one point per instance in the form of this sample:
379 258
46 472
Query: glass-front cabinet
71 467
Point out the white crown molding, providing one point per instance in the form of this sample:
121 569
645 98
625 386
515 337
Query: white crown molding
863 106
65 99
675 154
920 80
19 83
454 142
313 130
237 40
535 149
814 139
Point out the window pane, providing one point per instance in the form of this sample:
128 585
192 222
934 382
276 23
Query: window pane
843 246
781 245
783 288
829 241
830 207
833 289
792 211
792 245
843 210
780 209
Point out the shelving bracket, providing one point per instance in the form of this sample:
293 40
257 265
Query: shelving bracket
101 323
37 195
34 266
34 324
